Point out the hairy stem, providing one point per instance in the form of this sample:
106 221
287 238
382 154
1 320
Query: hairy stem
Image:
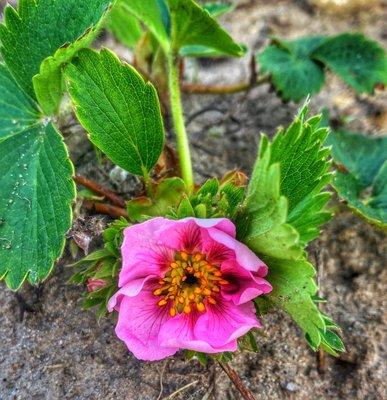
183 148
236 380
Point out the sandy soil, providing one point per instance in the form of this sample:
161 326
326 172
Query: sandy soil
50 349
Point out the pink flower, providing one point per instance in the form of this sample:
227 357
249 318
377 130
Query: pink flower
95 284
186 284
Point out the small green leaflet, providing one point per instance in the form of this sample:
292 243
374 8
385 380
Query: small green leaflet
296 66
359 61
46 28
125 26
293 72
35 203
192 25
118 108
283 181
17 111
361 179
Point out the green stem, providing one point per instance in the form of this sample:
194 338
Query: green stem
183 148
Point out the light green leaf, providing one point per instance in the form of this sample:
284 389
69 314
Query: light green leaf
118 108
192 25
154 14
17 111
168 194
362 179
125 26
37 30
359 61
293 285
35 203
288 176
293 72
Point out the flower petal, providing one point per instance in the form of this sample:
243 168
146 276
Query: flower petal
179 332
131 289
243 285
225 322
139 322
243 255
143 252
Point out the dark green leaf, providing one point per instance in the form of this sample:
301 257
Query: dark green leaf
359 61
35 208
218 9
17 111
294 74
362 182
118 108
36 31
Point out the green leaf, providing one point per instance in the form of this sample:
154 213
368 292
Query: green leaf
48 84
154 14
36 31
288 177
192 25
359 61
124 26
118 108
362 183
168 194
35 203
17 111
293 72
293 285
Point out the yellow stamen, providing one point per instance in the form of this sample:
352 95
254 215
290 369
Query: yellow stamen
190 281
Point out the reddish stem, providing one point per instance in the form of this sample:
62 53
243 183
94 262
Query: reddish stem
97 188
102 208
236 380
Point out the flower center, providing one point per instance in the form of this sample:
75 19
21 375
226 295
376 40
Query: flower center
190 283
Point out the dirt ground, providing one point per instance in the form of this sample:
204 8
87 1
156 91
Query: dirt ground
50 349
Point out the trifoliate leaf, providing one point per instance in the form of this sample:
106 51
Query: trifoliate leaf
291 180
192 25
154 14
124 25
118 108
293 72
35 203
359 61
361 179
17 111
36 31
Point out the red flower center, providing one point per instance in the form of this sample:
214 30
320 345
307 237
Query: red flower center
190 283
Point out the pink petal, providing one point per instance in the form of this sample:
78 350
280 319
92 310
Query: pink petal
225 322
243 285
131 289
179 332
142 251
244 256
139 322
